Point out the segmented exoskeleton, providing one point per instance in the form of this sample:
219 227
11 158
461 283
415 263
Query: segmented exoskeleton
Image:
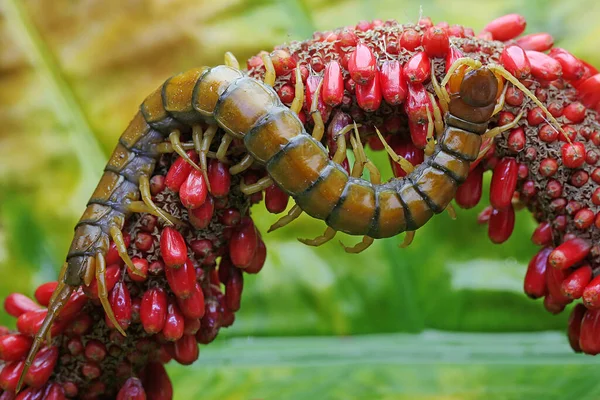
245 108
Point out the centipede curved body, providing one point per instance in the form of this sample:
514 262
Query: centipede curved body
276 136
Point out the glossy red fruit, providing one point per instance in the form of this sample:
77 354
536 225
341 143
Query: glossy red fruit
535 277
506 27
410 39
153 310
259 259
172 247
132 389
112 256
200 217
243 244
14 346
575 283
120 301
542 236
541 41
415 108
283 62
233 289
569 253
504 183
44 292
589 91
435 42
42 367
514 59
573 154
575 112
156 382
584 218
453 55
574 327
193 306
468 193
182 280
418 68
543 66
186 350
393 85
368 96
501 224
276 200
362 64
548 167
193 191
174 323
179 171
589 339
591 293
113 274
516 140
16 304
30 322
54 391
572 68
141 270
9 376
219 178
333 84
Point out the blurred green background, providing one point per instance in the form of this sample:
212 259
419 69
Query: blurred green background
444 319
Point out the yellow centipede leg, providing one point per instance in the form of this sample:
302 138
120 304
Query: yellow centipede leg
223 147
117 237
174 139
259 186
501 101
270 70
197 137
319 128
61 283
298 93
360 246
438 120
147 198
319 240
90 270
103 292
141 207
440 92
403 162
294 213
430 146
451 211
408 239
243 165
202 144
491 133
231 61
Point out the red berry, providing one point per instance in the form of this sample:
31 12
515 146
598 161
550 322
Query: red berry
259 259
333 84
504 183
243 244
575 112
368 95
393 85
410 39
501 225
418 68
362 64
572 68
200 217
112 275
14 346
44 292
536 41
435 42
589 339
193 306
95 350
535 278
17 304
182 280
174 323
186 350
153 310
132 389
514 59
283 62
468 193
120 302
179 171
141 270
542 236
157 382
573 286
543 66
233 289
506 27
516 140
276 200
173 248
574 330
573 154
219 178
569 253
193 191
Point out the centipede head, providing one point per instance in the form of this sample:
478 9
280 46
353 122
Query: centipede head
475 98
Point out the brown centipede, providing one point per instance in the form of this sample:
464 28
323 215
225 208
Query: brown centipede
274 136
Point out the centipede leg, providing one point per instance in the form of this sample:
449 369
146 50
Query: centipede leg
119 240
403 162
298 101
360 246
231 61
147 199
440 92
438 120
103 292
269 70
430 147
408 239
175 142
202 144
490 134
223 147
259 186
61 283
294 213
451 211
319 240
243 165
90 269
197 138
54 310
319 128
501 101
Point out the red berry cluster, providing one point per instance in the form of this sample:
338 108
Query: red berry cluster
378 74
187 284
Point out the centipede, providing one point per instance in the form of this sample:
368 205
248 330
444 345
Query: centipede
443 103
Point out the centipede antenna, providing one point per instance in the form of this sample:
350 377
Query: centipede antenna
54 310
103 292
510 77
298 92
223 147
320 240
243 165
500 103
269 70
319 128
231 61
408 239
294 213
174 139
403 162
474 64
197 136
